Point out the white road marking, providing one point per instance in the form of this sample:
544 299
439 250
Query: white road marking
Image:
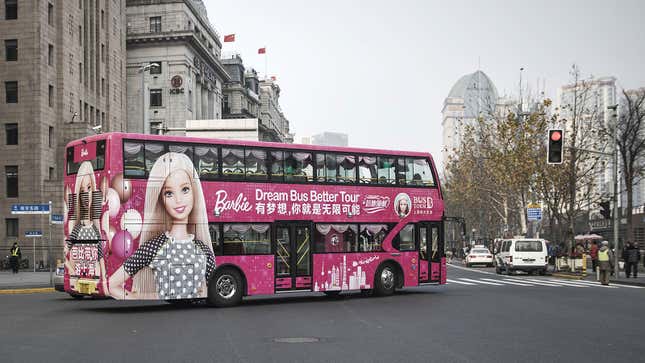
472 270
508 282
459 282
592 284
560 283
480 282
535 283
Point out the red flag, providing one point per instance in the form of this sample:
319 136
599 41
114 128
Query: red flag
262 50
229 38
273 78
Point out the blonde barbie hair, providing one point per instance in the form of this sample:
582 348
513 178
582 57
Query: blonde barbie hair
155 218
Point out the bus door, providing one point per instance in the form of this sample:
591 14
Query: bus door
293 256
430 251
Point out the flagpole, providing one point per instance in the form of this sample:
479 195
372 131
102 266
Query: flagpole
266 74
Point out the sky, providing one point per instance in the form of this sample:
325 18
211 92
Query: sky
380 70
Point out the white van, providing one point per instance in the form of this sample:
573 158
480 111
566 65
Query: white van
528 255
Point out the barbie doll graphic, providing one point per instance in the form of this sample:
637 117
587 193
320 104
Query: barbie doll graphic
402 205
86 228
170 263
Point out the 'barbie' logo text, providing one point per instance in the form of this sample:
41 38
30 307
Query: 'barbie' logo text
239 204
84 152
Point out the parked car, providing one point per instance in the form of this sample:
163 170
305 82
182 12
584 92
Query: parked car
527 255
59 278
479 256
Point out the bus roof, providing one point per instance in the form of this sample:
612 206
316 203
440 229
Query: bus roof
173 138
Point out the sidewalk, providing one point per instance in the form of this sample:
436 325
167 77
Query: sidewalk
621 279
24 279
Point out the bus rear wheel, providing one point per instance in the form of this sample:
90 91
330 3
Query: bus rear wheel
225 288
385 280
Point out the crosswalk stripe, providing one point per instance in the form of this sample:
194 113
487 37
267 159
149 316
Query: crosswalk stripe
535 283
508 282
596 283
480 282
592 284
558 283
459 282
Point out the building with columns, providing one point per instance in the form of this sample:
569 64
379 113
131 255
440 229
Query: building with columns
62 72
174 72
272 119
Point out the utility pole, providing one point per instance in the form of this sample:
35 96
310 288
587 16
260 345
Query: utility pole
615 156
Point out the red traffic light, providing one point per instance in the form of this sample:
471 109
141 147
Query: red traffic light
556 136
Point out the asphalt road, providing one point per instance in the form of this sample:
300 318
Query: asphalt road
478 316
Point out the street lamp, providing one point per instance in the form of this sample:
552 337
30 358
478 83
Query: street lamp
143 70
615 156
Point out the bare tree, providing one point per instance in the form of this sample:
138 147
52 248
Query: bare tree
630 139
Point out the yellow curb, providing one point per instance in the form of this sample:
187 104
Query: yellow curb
26 291
571 277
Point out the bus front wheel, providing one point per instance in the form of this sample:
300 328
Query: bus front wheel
385 280
225 288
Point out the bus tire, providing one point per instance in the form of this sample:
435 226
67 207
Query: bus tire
385 280
225 288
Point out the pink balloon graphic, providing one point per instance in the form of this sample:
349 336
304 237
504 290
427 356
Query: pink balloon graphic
122 246
114 202
122 186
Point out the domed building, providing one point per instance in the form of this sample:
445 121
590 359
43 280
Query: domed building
474 94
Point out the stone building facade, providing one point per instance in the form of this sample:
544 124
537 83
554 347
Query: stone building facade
241 99
173 66
62 72
272 119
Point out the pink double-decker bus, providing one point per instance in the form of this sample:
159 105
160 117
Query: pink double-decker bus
181 218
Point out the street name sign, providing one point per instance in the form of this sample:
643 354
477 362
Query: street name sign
30 209
57 219
32 234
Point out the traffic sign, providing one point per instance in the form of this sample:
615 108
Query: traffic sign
31 234
534 214
57 219
30 209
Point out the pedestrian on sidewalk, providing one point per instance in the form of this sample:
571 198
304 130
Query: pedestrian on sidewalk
605 262
14 257
631 256
593 252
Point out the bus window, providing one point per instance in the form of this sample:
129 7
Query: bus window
371 237
247 239
335 238
205 161
255 164
321 167
233 163
276 165
133 159
182 149
213 230
298 167
386 170
418 172
404 241
346 169
153 151
367 169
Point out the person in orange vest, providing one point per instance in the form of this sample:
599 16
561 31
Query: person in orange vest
14 257
605 262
